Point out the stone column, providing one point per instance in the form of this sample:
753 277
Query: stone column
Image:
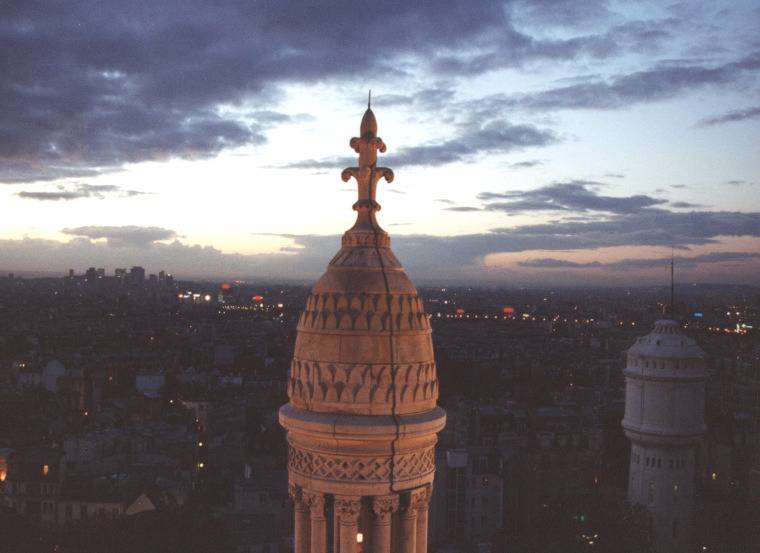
383 507
347 509
301 521
409 526
318 531
421 501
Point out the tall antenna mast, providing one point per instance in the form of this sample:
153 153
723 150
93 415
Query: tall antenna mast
672 283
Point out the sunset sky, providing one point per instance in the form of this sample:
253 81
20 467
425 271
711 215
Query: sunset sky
545 143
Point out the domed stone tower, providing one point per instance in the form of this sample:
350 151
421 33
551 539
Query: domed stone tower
665 421
362 416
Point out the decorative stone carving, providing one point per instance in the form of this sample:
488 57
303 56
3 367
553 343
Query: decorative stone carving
343 383
406 311
347 509
420 498
315 501
361 469
365 240
384 506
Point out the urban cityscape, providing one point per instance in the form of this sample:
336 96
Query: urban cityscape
212 339
140 411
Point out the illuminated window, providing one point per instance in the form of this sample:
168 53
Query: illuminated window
359 538
45 470
714 476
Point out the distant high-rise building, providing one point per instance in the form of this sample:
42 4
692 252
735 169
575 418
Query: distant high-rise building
101 272
162 277
152 279
137 275
665 421
120 273
91 275
71 273
362 416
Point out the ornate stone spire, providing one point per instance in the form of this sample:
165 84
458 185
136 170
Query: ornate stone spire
367 176
362 417
365 304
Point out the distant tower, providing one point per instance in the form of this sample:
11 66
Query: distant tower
665 421
362 418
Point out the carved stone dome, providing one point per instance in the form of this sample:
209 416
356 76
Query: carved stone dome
364 340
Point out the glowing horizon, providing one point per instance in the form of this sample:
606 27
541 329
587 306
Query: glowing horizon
534 145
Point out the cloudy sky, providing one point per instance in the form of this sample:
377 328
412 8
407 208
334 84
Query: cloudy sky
542 142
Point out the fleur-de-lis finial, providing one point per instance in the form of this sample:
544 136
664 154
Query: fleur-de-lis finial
367 174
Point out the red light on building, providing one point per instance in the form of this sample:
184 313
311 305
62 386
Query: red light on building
508 310
257 298
460 311
226 286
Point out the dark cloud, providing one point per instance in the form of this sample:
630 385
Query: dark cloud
50 196
133 236
615 175
427 99
661 82
646 263
684 205
526 164
87 88
576 196
462 208
97 191
561 12
652 227
494 137
736 182
731 117
445 201
515 47
470 140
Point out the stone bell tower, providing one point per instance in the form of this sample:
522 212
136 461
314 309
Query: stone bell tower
362 416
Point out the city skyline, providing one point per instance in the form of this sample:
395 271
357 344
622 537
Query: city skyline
533 143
